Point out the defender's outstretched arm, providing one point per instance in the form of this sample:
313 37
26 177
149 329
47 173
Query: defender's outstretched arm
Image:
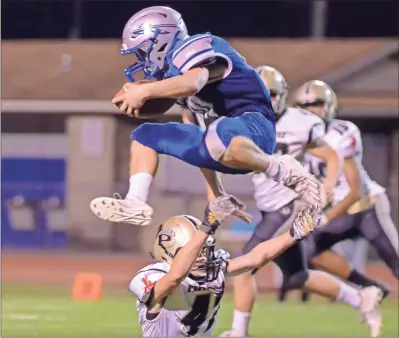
306 222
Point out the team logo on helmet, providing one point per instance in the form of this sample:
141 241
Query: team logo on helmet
174 234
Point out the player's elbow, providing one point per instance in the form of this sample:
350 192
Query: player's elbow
355 192
197 79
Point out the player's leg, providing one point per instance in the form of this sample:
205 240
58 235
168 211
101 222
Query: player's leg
329 261
378 228
355 251
182 141
359 258
340 228
366 301
282 291
319 251
271 224
246 142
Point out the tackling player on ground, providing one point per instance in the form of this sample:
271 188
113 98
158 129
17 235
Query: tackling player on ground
211 75
180 295
298 132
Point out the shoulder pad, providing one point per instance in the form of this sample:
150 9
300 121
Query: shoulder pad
144 281
194 51
344 137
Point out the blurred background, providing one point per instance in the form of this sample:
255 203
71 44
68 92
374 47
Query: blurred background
63 143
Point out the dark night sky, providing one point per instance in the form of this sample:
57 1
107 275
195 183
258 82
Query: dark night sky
105 19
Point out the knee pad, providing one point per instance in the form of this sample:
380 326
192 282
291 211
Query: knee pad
142 133
297 280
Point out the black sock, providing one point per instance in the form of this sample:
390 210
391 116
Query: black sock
359 279
282 294
305 296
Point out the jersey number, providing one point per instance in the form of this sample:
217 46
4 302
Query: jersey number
281 149
340 128
199 313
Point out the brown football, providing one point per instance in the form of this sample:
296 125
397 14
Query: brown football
153 107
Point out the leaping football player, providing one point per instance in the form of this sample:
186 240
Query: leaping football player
206 71
180 295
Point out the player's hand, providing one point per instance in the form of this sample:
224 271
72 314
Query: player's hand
307 220
132 100
240 210
217 211
239 213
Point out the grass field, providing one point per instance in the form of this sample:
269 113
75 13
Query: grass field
37 311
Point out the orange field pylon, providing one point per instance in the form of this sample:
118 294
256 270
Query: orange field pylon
87 287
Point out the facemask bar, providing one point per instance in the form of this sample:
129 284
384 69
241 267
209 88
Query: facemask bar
150 69
212 265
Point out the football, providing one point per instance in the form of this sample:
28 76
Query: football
151 108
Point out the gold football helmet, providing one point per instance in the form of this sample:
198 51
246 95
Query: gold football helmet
277 85
175 233
317 93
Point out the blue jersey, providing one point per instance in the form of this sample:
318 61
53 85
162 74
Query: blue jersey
240 90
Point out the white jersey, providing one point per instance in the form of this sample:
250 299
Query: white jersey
190 310
345 138
294 130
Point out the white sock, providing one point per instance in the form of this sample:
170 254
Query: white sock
276 169
139 186
241 322
349 295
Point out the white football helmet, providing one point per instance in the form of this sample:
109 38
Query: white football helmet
277 85
317 93
175 233
150 34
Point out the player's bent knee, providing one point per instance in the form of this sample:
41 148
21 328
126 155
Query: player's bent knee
234 150
142 133
297 280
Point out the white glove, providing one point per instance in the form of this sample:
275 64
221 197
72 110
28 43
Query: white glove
217 211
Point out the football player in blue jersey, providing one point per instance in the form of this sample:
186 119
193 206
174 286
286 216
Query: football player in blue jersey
206 74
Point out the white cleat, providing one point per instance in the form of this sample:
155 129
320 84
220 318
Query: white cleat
309 188
369 309
117 210
233 333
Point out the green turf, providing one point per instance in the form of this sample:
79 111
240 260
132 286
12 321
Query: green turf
37 311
